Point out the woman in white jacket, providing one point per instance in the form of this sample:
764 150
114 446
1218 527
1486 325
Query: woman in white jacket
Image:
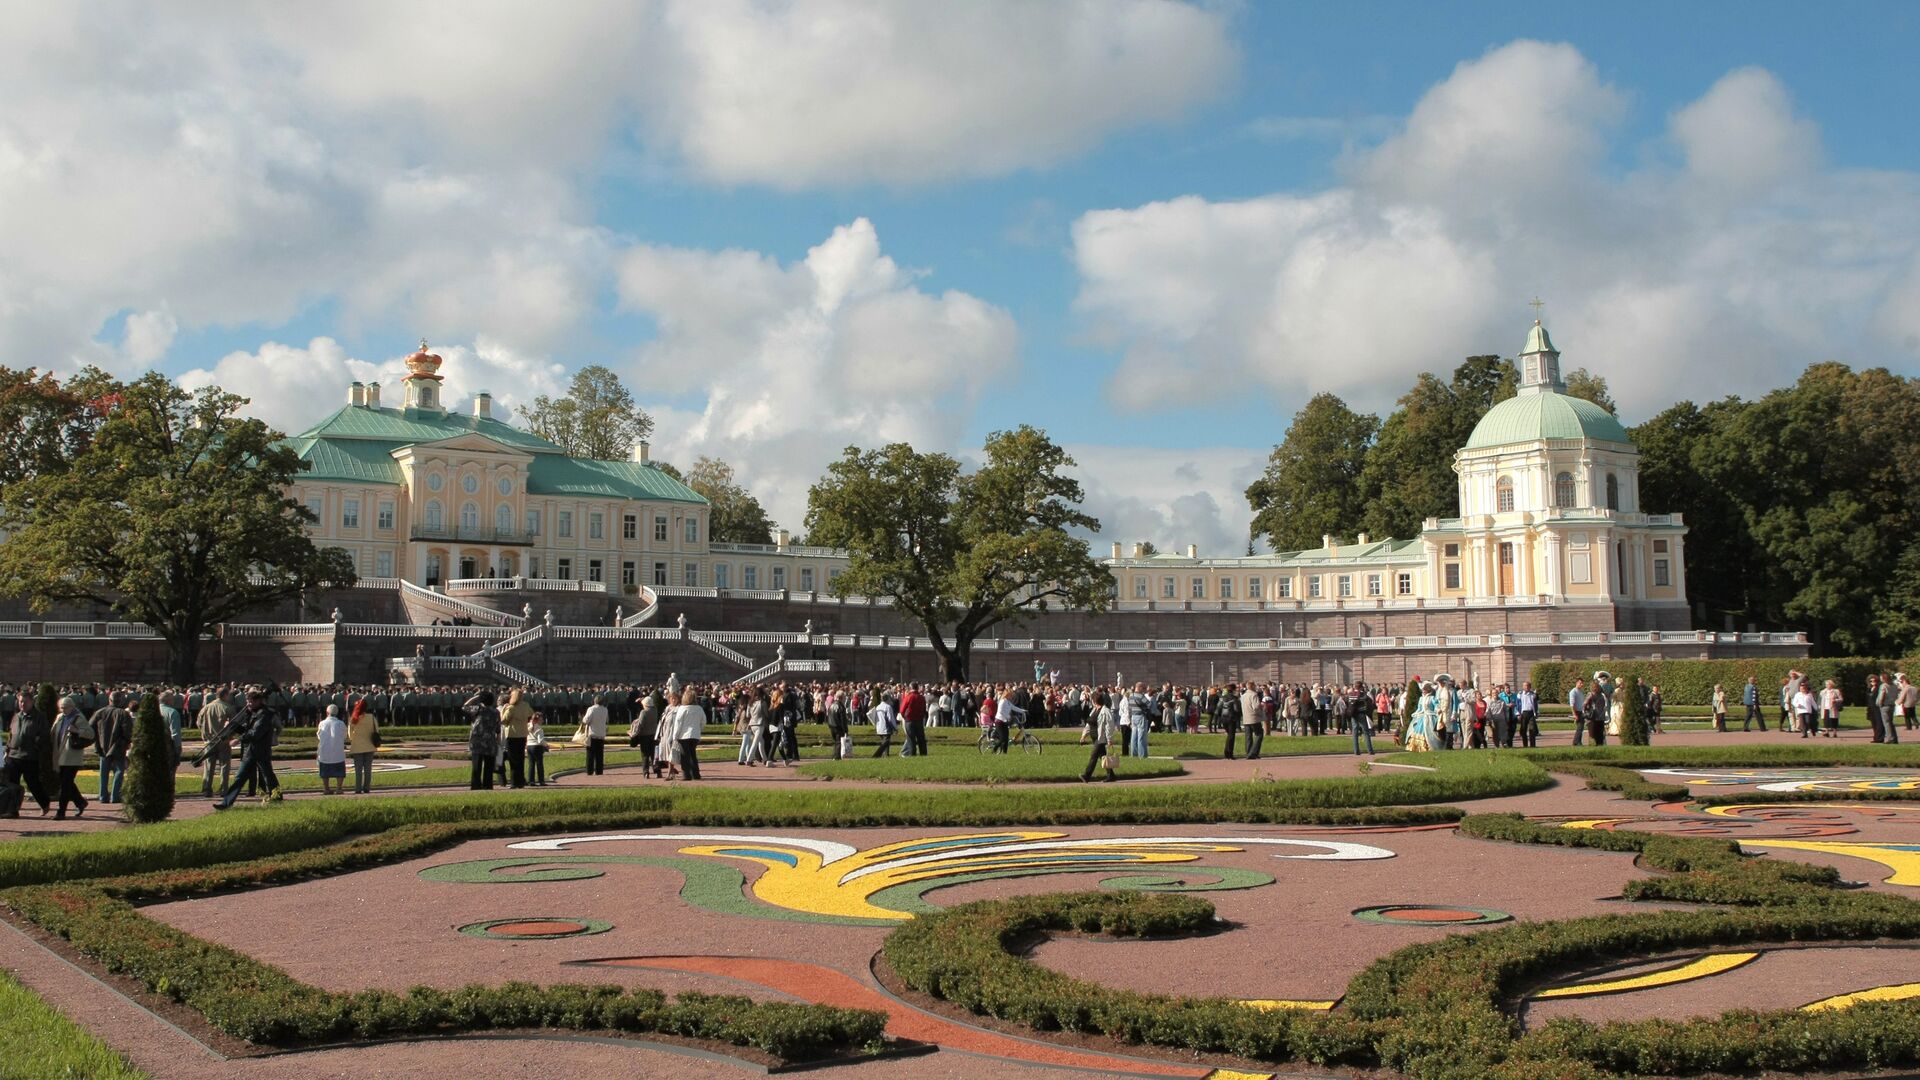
687 721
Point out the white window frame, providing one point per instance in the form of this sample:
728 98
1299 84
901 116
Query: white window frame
630 526
564 524
1403 583
596 525
385 521
350 513
659 528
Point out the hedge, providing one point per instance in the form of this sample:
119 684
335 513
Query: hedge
1691 682
1442 1010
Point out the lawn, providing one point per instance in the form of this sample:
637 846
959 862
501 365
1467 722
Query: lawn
969 766
42 1044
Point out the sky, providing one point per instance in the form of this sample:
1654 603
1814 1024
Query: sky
1153 229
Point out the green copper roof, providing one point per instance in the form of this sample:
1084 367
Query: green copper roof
1536 417
1537 340
555 474
353 461
417 426
356 446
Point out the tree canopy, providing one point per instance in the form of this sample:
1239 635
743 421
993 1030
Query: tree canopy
737 517
596 419
173 510
961 552
1312 482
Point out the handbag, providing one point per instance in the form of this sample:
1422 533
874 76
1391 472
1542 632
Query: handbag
1107 762
377 739
580 736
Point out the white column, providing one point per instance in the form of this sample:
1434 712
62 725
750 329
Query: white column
1637 557
1553 565
1603 568
1678 563
1433 570
1523 565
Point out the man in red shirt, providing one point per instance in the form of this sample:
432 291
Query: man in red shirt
913 713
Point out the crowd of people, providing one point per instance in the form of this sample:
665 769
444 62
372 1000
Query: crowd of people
508 734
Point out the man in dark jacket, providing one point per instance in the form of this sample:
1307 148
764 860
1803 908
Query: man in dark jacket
29 741
112 739
254 726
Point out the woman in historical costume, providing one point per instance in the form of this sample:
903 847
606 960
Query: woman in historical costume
1422 730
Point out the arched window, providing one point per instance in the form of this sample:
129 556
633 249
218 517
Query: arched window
503 518
469 516
1613 492
1503 495
1563 491
433 513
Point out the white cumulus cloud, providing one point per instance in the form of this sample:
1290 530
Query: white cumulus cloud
795 362
1732 259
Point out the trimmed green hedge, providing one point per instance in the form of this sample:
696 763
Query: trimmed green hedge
262 1004
1442 1010
1690 682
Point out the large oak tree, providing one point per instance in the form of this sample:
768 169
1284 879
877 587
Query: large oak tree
173 511
596 419
961 552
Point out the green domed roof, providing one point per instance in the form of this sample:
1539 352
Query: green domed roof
1541 416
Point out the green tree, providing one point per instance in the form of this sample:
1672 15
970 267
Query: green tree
1634 727
1311 484
44 422
1582 383
736 516
961 553
1408 476
1721 575
150 765
175 514
596 419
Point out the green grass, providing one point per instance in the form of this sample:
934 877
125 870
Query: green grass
42 1044
972 767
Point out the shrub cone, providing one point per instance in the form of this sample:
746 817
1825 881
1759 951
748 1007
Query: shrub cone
47 704
1634 730
150 765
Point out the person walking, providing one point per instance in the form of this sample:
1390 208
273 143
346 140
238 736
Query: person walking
1577 704
363 738
1527 715
72 734
1907 703
255 729
913 712
1253 721
536 751
483 739
881 717
1226 715
29 742
1103 731
594 720
1750 699
513 727
217 753
1805 710
688 724
1719 707
1831 702
112 738
331 753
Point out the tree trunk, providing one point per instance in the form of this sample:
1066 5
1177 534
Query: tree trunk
957 660
183 658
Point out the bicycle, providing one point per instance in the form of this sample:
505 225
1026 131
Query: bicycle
1017 735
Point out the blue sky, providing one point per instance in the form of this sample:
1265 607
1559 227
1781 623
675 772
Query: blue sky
1155 247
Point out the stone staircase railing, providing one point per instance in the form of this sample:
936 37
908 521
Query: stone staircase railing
651 600
732 656
414 597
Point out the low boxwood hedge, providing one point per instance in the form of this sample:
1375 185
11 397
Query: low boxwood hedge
1691 682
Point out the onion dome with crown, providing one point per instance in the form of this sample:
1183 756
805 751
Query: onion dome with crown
423 364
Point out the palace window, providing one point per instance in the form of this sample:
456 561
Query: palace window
433 513
720 576
833 575
659 573
385 520
630 527
470 484
779 577
596 526
659 528
1167 589
693 530
1139 588
1373 584
469 516
1346 585
383 564
533 524
564 519
1659 547
565 570
1453 575
1452 551
1403 584
1199 587
1563 491
317 506
1226 588
806 579
503 519
350 514
1253 588
533 566
1661 575
1313 587
1613 492
629 573
1283 588
692 578
749 577
1503 495
593 570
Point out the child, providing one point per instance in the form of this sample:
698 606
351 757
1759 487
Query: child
536 752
